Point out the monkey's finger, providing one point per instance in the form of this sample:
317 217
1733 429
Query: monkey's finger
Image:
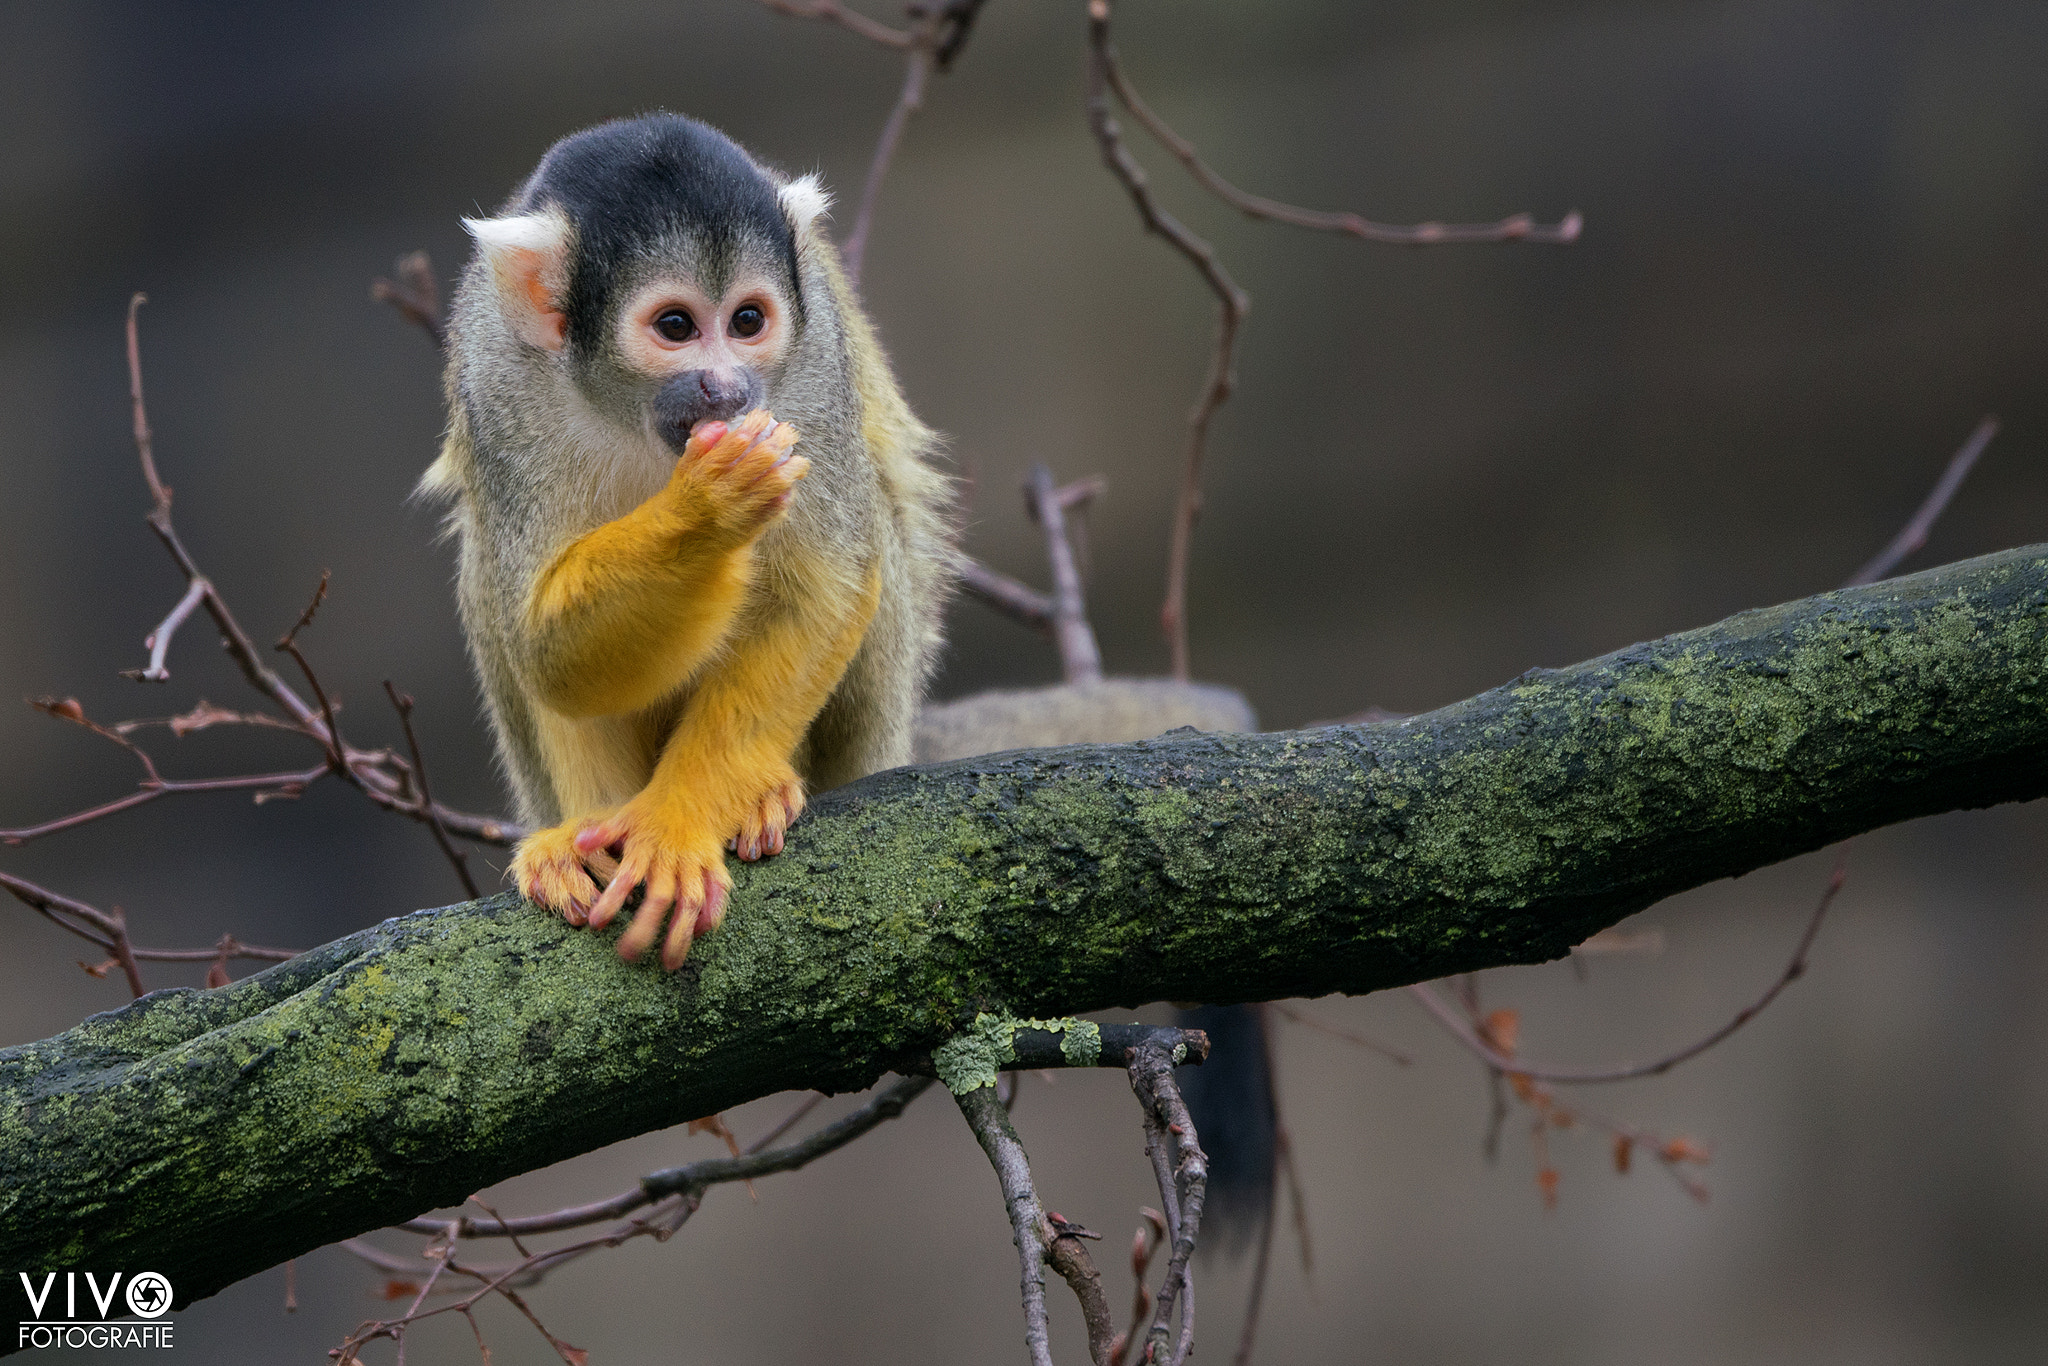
777 474
703 437
646 926
740 438
713 914
604 835
762 452
682 929
615 893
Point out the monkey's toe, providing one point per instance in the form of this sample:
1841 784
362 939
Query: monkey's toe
761 830
684 890
548 872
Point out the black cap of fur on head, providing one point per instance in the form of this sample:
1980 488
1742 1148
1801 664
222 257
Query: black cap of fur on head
630 182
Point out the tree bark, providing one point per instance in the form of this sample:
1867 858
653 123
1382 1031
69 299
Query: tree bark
211 1134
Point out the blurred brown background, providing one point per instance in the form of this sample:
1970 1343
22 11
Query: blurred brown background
1813 259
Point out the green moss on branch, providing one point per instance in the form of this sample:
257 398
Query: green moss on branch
212 1134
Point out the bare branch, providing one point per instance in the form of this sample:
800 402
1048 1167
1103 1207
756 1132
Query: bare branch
1232 302
415 294
1150 1237
789 1121
1013 599
1182 1171
936 41
1068 1255
1914 534
831 11
372 772
697 1177
1080 657
402 704
108 930
992 1129
915 69
1308 1021
1515 228
1493 1057
158 642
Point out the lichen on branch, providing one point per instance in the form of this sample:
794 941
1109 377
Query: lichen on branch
210 1134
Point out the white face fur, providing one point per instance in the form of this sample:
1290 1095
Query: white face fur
669 326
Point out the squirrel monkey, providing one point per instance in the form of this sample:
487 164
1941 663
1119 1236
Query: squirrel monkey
683 610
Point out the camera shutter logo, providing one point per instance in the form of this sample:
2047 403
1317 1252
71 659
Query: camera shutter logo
149 1294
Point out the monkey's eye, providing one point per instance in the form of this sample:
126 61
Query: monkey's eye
675 325
748 320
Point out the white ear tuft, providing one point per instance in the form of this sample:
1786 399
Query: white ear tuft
543 232
805 200
528 256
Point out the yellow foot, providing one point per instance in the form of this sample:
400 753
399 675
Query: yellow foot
682 866
548 870
760 832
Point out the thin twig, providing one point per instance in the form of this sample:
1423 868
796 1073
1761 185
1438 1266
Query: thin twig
1182 1172
264 784
1068 1255
415 294
1232 304
992 1129
1515 228
402 704
853 21
916 67
1460 1029
107 929
374 773
789 1121
158 642
1013 599
675 1193
1914 534
696 1177
1080 657
1289 1013
1145 1244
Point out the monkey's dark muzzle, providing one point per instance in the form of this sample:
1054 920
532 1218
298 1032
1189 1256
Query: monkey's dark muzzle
697 396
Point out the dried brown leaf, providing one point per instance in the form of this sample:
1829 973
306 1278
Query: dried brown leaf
1502 1029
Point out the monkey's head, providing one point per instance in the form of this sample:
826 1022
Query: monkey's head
655 264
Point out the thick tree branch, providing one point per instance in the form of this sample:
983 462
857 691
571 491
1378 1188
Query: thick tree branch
210 1134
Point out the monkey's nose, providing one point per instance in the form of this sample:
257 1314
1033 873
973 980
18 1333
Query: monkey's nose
696 396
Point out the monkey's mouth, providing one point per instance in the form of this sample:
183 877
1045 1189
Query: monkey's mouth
695 396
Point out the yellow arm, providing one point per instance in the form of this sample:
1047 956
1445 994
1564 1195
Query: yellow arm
630 610
731 748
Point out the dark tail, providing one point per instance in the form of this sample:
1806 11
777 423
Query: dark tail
1230 1098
